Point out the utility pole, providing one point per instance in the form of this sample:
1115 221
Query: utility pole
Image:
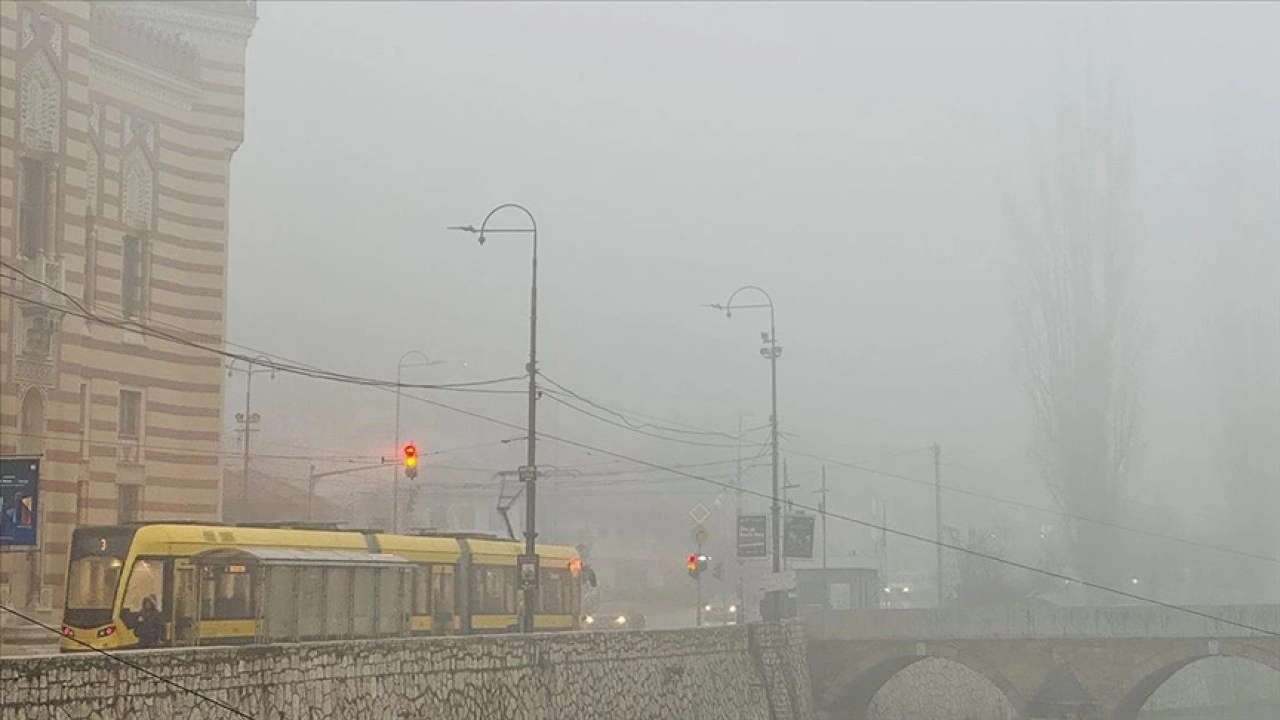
737 483
248 418
937 513
786 485
822 508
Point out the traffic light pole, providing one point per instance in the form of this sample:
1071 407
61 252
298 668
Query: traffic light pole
697 598
395 478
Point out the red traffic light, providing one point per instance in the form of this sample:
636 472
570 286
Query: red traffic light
692 564
410 455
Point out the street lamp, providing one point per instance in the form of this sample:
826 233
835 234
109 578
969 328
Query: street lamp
528 563
771 351
248 418
395 482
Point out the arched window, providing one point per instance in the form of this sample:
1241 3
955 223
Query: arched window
41 115
31 424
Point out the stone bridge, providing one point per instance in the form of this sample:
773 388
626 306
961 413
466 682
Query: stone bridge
1095 663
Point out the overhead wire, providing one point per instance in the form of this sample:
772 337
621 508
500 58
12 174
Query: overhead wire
129 663
876 526
555 397
340 377
1029 506
692 430
78 309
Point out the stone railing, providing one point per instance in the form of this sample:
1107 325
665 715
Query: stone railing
732 673
1038 622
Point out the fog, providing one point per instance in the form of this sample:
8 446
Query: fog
856 160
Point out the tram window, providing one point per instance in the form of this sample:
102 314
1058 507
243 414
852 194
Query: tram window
422 590
362 610
555 593
146 580
311 602
390 600
227 593
493 590
280 611
442 592
338 602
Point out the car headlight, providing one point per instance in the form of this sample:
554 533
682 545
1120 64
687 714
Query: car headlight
706 608
733 608
622 620
590 620
906 590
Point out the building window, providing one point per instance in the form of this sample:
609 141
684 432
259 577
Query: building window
131 279
31 424
130 424
82 502
84 421
31 208
128 504
90 261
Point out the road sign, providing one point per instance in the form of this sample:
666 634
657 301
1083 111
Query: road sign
797 539
753 536
699 535
19 501
526 473
528 570
699 513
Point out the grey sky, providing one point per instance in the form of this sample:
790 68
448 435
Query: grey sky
852 158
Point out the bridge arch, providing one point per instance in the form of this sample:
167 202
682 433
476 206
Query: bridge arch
1154 672
850 697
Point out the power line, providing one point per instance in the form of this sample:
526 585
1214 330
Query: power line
883 528
694 430
631 428
131 664
1029 506
339 377
142 328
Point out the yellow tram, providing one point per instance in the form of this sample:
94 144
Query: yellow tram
224 584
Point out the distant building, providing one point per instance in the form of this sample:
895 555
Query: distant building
118 122
270 499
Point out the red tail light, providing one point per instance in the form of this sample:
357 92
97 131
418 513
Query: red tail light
66 631
107 631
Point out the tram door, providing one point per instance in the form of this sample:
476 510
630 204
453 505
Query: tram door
185 605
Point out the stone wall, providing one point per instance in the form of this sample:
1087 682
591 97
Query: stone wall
734 673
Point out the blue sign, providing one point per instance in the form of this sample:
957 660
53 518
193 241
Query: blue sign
19 501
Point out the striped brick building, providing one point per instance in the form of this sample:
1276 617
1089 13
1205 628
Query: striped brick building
118 123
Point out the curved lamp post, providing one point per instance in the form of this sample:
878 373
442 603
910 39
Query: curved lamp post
528 564
771 351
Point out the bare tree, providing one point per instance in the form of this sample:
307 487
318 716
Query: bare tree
1241 265
1076 319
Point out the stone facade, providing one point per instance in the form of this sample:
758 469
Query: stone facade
118 121
732 673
